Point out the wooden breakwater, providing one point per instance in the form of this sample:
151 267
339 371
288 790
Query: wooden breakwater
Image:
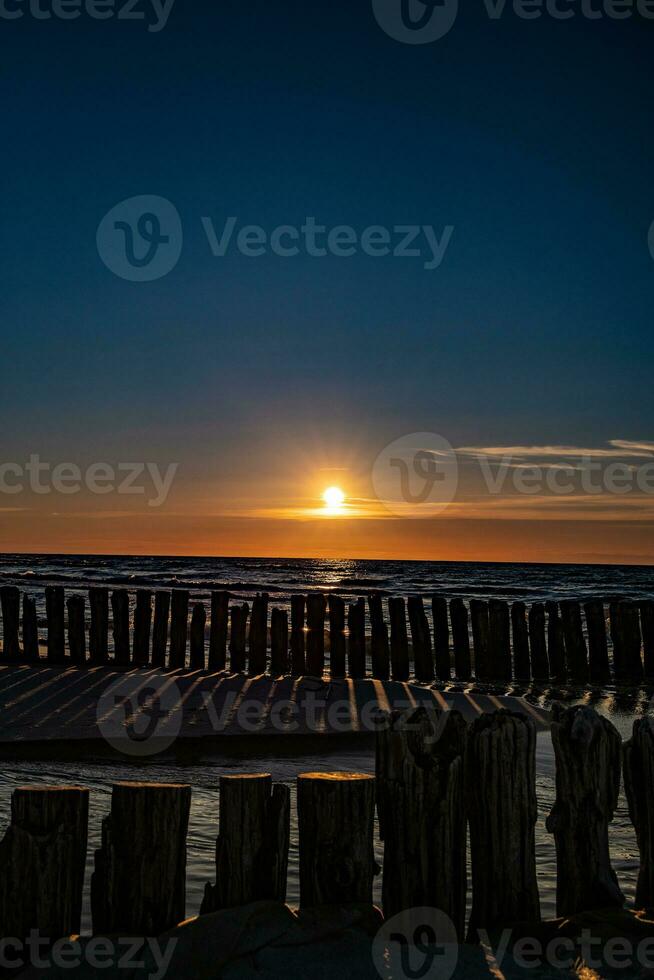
490 641
437 781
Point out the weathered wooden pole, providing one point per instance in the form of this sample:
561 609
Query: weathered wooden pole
337 667
379 646
638 758
499 621
42 859
238 629
576 654
555 644
423 657
520 637
178 629
77 629
625 635
30 629
599 670
142 627
335 826
297 636
481 638
460 639
120 612
10 601
138 886
647 629
218 630
441 638
316 608
587 749
198 625
160 628
540 664
501 805
258 636
252 847
279 662
54 609
99 631
400 667
356 640
420 802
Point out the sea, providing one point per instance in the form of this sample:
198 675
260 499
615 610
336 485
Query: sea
281 578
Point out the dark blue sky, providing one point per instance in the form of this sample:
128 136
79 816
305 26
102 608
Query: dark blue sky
534 139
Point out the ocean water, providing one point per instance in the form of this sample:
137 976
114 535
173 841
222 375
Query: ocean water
281 578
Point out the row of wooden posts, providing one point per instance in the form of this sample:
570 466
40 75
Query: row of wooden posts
546 641
436 777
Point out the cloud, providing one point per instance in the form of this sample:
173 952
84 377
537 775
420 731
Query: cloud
619 449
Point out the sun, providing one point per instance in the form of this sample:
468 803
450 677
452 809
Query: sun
334 498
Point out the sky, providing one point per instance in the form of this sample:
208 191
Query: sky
479 301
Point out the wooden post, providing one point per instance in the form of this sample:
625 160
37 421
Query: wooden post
625 635
460 639
316 607
638 756
555 645
356 640
138 886
336 636
599 670
252 848
587 749
297 635
120 611
30 629
142 627
77 629
198 625
540 664
160 628
399 640
481 638
218 630
279 662
499 622
335 826
42 858
421 810
238 629
647 629
423 658
54 607
379 648
258 637
99 631
441 638
501 804
10 600
178 629
521 658
576 654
